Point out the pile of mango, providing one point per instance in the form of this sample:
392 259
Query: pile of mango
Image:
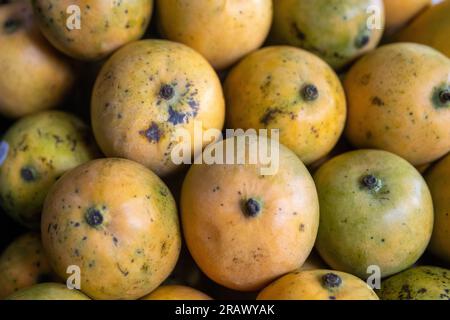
355 95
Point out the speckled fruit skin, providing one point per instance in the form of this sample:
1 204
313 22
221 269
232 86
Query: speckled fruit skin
310 285
430 28
23 264
438 179
241 251
106 25
176 292
394 102
48 291
223 31
400 12
387 223
335 30
118 222
41 147
146 92
266 90
419 283
33 76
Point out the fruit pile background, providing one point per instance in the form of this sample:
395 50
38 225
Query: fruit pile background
87 65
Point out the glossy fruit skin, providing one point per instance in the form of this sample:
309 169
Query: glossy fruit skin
134 117
418 283
33 76
105 25
249 251
23 264
430 28
112 215
400 12
309 285
244 25
393 96
48 291
266 90
176 292
36 151
438 181
335 30
387 223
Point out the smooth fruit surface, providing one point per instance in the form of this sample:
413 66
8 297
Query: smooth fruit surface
399 101
104 25
148 91
400 12
48 291
223 31
430 28
419 283
33 76
176 292
318 285
23 264
438 179
245 229
115 220
335 30
36 151
375 210
291 90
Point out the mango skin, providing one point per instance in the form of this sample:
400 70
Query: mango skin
41 147
33 76
23 264
176 292
249 252
132 120
430 28
244 25
264 91
106 25
438 181
335 30
134 234
308 285
400 12
48 291
389 226
393 103
418 283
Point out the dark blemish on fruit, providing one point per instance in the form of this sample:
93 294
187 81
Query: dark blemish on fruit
377 101
309 92
176 117
369 135
166 92
93 217
441 96
252 207
422 290
405 293
11 25
331 280
84 238
302 227
270 115
153 133
77 224
365 79
371 182
332 297
123 271
115 240
362 41
28 174
76 252
299 34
